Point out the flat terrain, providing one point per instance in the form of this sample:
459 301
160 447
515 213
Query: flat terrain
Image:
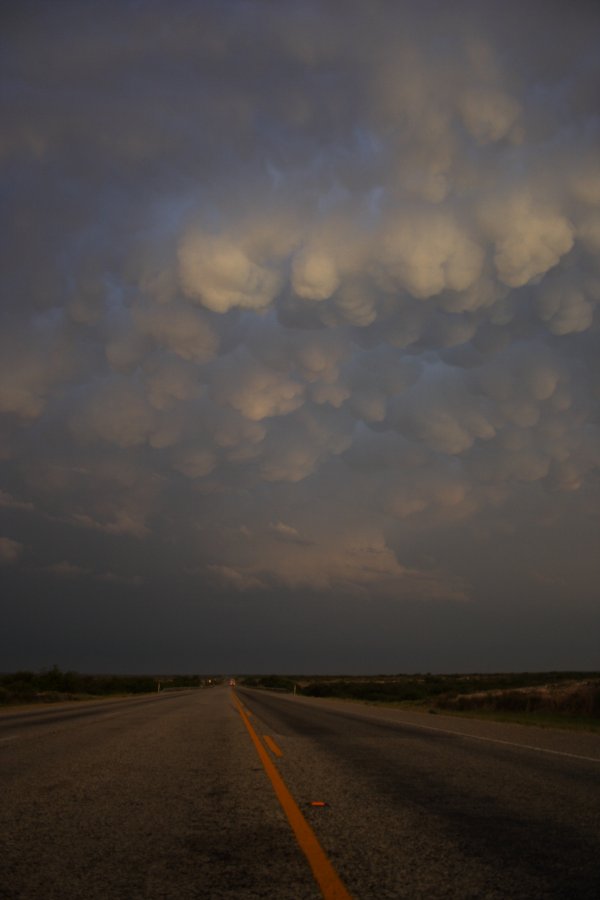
166 797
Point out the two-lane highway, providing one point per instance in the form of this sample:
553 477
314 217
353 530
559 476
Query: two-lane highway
210 794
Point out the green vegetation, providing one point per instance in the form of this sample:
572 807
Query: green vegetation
268 682
546 698
51 685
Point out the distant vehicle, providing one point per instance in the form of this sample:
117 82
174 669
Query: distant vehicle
232 682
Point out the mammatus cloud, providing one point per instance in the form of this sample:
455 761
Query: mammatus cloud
426 252
314 275
307 310
10 551
529 236
216 272
490 115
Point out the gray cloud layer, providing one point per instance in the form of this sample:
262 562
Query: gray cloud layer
299 301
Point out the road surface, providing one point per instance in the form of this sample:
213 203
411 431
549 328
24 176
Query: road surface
174 796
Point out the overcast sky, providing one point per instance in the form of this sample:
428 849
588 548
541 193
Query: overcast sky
299 363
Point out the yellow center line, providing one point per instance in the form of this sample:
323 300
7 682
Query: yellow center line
326 877
272 745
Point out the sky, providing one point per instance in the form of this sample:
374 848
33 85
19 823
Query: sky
299 357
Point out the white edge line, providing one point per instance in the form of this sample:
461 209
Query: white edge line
478 737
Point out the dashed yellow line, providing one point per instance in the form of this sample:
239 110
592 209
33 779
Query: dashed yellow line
272 745
326 877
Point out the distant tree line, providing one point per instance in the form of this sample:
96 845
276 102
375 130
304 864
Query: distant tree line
54 684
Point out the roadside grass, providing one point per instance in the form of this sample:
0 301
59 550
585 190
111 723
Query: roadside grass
537 719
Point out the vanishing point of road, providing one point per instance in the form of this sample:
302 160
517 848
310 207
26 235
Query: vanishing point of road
244 794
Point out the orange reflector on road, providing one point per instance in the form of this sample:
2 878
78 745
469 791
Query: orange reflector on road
318 803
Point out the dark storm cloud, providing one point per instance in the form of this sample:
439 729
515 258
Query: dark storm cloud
301 298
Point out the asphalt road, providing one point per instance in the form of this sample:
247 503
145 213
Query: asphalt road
167 797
